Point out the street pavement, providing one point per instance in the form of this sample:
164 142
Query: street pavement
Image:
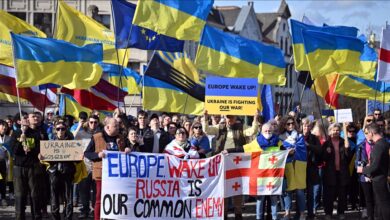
8 213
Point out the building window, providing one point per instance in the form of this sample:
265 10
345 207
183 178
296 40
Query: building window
281 43
284 26
21 15
106 20
286 47
43 22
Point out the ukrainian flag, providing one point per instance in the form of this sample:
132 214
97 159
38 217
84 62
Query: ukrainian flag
368 61
328 53
296 165
77 28
42 60
69 106
172 84
10 23
363 89
297 39
231 55
183 20
124 78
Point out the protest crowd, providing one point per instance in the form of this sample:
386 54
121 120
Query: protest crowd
347 163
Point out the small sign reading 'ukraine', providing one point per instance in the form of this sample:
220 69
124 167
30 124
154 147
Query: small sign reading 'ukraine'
231 96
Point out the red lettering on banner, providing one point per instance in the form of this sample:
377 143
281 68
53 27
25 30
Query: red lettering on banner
273 159
193 168
214 165
206 208
156 188
254 172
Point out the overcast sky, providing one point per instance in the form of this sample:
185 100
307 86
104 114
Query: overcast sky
363 14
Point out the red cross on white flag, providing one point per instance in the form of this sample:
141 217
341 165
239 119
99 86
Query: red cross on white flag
384 57
254 173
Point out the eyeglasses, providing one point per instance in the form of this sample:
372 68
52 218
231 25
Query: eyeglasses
60 129
93 122
290 123
198 127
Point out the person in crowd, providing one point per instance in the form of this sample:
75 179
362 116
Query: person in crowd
166 119
27 170
313 174
176 119
360 136
377 114
215 119
87 184
144 132
167 137
4 149
199 139
108 139
337 156
363 155
380 121
320 130
378 170
181 147
230 138
265 141
295 171
187 125
10 122
133 140
82 119
61 178
353 187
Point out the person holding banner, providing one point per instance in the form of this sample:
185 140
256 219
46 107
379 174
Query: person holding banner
230 138
109 139
181 147
61 178
265 141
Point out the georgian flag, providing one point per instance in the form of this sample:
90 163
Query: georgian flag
384 57
259 173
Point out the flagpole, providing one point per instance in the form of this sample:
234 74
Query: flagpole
123 61
16 80
384 95
319 109
303 89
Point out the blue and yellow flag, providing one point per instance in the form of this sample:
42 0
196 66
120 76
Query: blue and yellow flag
362 89
297 27
183 20
10 23
77 28
368 61
328 53
125 78
231 55
267 103
69 106
172 84
141 38
43 60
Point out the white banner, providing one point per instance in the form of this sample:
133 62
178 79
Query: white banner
160 186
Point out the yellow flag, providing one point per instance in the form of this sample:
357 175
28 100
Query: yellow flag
10 23
77 28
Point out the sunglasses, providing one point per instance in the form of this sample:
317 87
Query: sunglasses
93 122
181 132
291 123
61 129
198 127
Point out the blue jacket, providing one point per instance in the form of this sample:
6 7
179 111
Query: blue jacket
362 156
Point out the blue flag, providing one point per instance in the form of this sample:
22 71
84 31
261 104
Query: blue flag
267 103
140 38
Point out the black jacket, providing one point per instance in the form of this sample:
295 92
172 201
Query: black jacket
314 159
329 170
22 158
148 137
379 161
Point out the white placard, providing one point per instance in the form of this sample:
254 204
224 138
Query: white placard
343 115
